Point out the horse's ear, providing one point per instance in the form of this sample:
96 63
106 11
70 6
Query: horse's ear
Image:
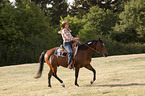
99 39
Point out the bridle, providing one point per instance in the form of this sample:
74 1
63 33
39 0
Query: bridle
89 47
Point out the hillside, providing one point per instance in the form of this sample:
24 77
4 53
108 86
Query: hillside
122 75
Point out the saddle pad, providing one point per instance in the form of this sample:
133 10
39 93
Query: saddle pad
59 52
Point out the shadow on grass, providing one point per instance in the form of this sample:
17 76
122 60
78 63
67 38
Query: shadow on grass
117 85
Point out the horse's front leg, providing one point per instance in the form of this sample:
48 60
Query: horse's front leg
94 71
76 75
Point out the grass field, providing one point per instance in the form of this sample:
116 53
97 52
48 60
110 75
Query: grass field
122 75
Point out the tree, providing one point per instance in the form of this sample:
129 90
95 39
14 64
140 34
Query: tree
81 7
131 25
42 4
118 5
97 22
25 32
8 31
4 3
59 9
53 8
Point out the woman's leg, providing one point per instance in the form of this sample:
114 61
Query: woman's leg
68 47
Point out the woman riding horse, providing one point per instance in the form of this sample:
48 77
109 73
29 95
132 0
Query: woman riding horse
82 59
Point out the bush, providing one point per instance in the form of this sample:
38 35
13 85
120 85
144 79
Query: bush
97 22
25 32
131 25
118 48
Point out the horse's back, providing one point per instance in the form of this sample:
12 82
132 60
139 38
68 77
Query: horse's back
50 51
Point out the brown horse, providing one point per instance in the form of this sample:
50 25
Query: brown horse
82 59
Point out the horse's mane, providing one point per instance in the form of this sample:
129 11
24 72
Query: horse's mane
89 43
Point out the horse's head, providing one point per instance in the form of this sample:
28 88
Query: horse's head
95 45
100 47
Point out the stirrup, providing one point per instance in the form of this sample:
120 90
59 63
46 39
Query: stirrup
70 66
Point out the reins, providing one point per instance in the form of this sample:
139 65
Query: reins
89 47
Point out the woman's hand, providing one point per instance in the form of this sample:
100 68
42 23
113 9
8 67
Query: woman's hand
76 39
59 32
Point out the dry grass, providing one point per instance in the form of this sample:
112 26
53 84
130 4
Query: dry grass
117 76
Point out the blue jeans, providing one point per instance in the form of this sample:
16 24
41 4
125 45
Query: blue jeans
68 48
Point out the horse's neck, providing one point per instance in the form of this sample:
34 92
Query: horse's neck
90 52
87 53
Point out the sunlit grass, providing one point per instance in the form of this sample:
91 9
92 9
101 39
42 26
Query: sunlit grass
116 76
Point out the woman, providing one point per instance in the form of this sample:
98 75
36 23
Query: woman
67 40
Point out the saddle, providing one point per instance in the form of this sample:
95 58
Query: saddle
60 51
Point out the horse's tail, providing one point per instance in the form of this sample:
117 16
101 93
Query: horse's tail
41 63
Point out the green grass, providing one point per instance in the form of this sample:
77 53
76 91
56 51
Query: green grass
116 76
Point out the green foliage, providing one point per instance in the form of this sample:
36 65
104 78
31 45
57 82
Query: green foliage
118 48
97 22
58 9
25 32
29 29
4 3
131 26
9 32
117 5
82 7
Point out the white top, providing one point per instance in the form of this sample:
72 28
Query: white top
66 35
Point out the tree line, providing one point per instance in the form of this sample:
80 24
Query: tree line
30 26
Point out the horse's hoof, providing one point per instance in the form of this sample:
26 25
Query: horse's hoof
62 84
49 86
77 85
92 81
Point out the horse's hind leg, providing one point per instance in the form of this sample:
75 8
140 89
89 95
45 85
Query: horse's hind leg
55 75
49 78
62 84
94 71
